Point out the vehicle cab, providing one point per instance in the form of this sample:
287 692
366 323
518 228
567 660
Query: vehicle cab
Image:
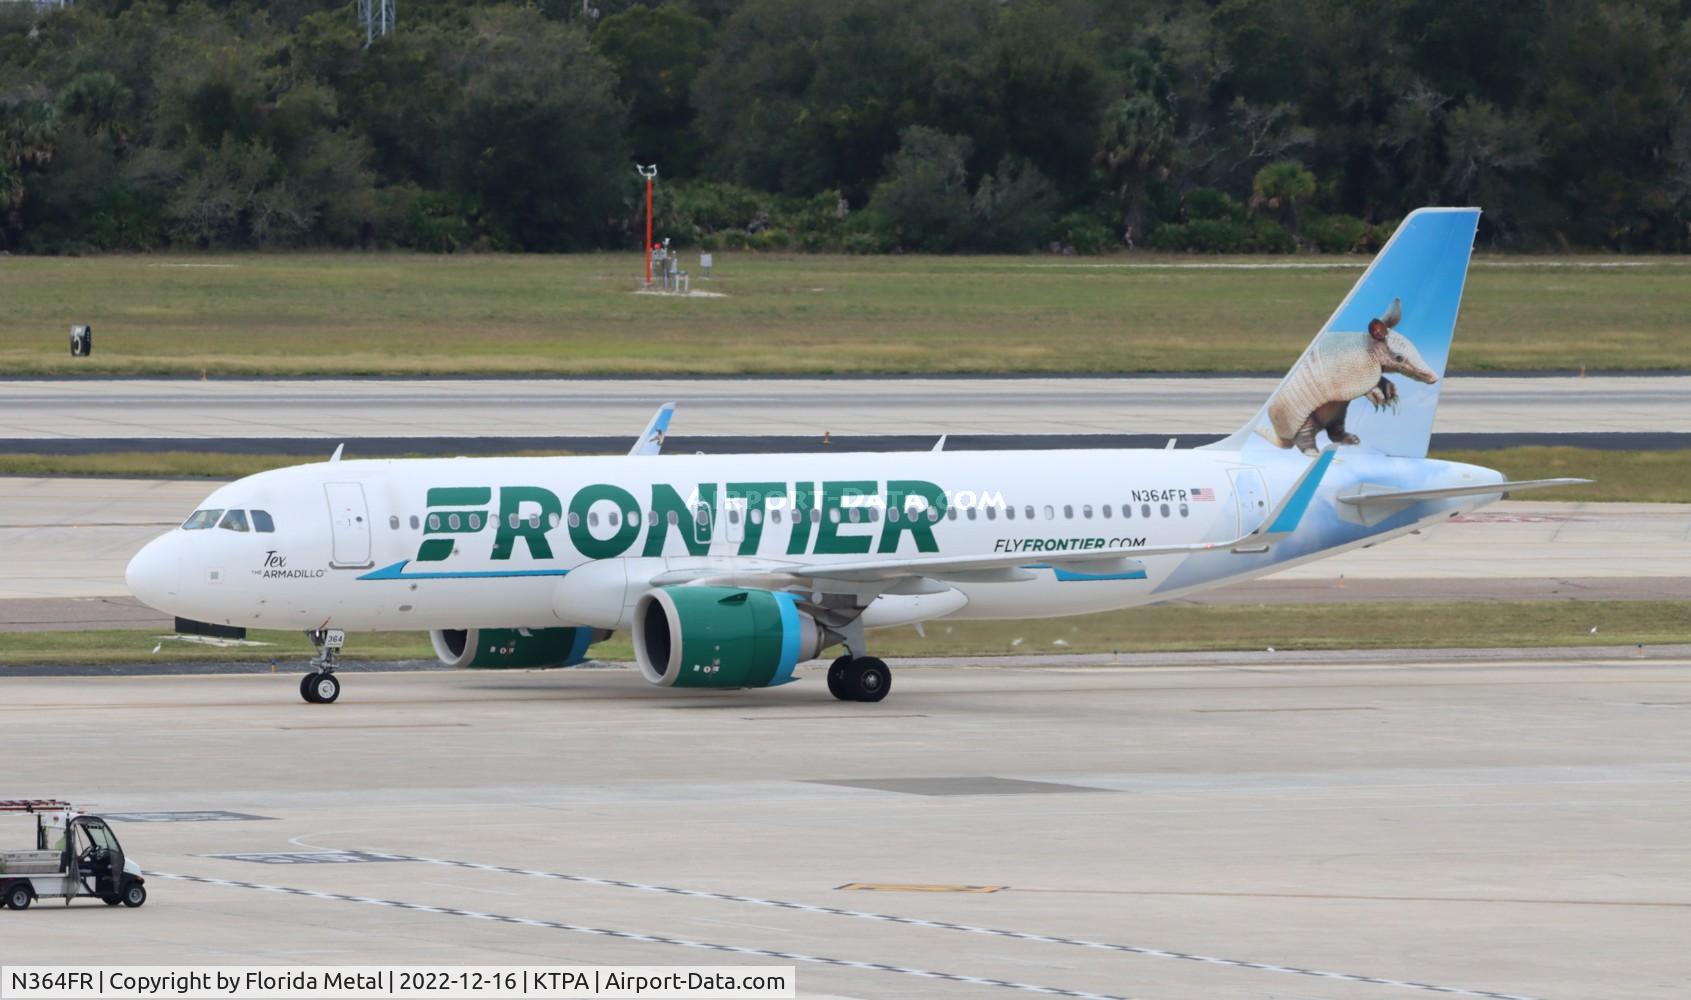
74 855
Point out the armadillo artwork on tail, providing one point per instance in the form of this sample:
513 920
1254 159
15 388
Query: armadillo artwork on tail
1342 366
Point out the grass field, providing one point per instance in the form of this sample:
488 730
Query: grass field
1161 628
530 314
1629 476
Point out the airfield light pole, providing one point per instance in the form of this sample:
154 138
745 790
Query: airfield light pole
649 172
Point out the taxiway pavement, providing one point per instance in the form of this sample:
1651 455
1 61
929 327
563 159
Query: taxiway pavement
1324 830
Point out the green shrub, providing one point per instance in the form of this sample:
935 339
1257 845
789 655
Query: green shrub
1203 236
1208 203
1268 236
1335 233
1084 232
1377 235
436 223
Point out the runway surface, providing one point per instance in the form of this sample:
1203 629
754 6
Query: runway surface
1327 831
118 409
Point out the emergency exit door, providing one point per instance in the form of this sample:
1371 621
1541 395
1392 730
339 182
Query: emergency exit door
349 522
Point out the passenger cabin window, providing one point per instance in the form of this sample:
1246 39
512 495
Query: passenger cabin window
235 520
1086 510
1028 511
1106 510
201 519
1050 513
393 521
414 522
1068 510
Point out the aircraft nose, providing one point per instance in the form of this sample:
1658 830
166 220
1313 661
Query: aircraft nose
152 574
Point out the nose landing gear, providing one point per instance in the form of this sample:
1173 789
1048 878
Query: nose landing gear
321 686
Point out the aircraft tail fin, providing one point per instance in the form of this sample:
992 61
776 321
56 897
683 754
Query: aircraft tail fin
1372 375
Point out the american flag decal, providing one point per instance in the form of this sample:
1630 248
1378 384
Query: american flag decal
1203 493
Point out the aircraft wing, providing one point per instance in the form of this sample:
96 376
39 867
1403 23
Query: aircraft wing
650 441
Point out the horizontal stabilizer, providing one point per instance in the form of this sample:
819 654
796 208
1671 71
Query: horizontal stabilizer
1368 495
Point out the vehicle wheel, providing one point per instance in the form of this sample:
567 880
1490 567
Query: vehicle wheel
111 900
838 674
135 895
306 687
870 679
325 688
18 897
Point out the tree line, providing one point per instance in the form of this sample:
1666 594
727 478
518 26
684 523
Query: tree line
854 125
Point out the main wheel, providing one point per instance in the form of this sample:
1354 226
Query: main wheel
18 897
839 673
135 895
870 679
325 688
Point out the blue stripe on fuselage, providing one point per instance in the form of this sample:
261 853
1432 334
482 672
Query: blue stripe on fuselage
1075 575
397 572
1288 519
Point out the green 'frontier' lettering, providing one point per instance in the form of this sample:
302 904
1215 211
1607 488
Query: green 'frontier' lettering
581 536
756 496
829 541
665 502
804 495
530 526
917 523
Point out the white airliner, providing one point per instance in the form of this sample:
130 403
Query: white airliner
732 570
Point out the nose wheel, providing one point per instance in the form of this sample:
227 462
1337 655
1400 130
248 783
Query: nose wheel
859 678
321 686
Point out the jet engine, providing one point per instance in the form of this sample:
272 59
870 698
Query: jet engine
722 637
509 648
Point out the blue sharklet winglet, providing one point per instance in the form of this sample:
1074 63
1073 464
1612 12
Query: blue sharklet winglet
1287 516
650 441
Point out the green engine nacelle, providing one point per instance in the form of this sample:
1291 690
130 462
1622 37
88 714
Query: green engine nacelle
721 637
511 648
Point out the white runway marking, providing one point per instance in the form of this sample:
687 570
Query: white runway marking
966 928
843 963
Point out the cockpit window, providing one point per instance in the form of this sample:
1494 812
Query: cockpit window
235 520
261 521
202 519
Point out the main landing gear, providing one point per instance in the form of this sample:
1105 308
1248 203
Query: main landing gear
321 686
859 678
